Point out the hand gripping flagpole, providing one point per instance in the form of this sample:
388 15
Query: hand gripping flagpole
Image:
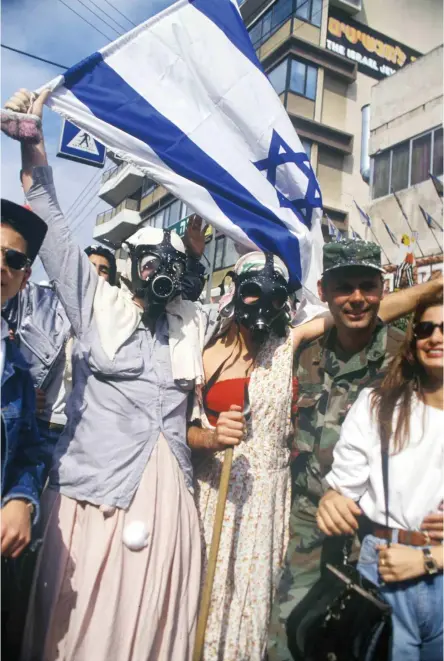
205 601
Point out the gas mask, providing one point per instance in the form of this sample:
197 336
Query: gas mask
156 273
260 299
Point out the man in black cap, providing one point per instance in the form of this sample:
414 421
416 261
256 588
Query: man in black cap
23 457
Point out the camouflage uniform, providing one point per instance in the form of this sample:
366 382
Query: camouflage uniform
329 383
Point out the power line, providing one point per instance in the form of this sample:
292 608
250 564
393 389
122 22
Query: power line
109 16
119 12
83 220
86 21
77 211
34 57
83 192
99 17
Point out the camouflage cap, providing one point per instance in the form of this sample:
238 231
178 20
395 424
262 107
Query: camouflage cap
351 252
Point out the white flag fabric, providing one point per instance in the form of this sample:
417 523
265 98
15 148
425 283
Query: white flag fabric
184 98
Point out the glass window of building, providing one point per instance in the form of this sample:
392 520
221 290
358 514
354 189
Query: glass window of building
400 167
219 253
148 186
421 151
279 13
307 146
408 163
437 152
303 78
230 253
278 77
381 174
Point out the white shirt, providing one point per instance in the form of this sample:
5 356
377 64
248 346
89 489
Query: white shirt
5 334
415 474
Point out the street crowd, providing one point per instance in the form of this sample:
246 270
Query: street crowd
121 399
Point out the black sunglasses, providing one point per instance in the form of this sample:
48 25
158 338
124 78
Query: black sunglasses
15 259
424 329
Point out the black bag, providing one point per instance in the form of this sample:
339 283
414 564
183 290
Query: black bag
343 617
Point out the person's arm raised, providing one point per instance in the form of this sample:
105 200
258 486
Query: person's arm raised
312 329
403 302
65 263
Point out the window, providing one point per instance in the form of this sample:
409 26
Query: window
306 144
421 150
437 153
381 174
148 186
167 216
303 78
295 76
408 163
278 77
400 166
225 253
279 13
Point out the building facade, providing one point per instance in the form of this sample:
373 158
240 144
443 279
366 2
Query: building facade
325 60
406 146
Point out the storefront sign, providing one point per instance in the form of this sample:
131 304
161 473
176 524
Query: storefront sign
375 54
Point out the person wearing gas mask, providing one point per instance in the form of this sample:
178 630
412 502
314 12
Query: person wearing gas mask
118 575
42 331
247 402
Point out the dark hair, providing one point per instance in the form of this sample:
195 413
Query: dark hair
405 376
108 255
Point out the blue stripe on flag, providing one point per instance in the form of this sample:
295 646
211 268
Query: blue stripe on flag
225 15
107 95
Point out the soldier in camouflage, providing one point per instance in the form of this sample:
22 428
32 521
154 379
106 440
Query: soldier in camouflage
331 372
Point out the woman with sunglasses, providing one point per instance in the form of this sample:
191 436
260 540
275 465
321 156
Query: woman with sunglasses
404 414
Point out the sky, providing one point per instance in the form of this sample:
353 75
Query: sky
48 29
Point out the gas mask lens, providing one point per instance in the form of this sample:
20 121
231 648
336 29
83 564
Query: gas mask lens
279 298
250 293
148 264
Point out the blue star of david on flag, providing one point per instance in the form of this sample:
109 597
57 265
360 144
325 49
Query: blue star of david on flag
280 153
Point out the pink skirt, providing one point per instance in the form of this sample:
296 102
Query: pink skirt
95 600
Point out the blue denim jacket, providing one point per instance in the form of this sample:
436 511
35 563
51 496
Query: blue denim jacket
24 461
42 327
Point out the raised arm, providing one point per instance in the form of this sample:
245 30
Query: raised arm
312 329
65 263
403 302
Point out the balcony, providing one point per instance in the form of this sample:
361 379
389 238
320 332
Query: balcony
116 225
119 183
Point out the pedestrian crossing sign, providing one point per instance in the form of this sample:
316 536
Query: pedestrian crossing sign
78 145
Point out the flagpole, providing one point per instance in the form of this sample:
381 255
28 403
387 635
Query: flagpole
379 243
434 236
212 259
406 220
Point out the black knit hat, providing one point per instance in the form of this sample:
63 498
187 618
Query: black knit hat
27 223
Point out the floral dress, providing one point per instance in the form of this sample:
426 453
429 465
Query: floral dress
255 530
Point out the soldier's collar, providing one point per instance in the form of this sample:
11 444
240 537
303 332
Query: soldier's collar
374 351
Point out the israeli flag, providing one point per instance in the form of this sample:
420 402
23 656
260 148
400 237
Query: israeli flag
184 98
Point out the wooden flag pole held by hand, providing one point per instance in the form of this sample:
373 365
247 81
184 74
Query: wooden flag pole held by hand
212 559
215 541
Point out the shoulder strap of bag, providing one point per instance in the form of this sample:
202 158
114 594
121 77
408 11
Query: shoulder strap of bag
385 482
